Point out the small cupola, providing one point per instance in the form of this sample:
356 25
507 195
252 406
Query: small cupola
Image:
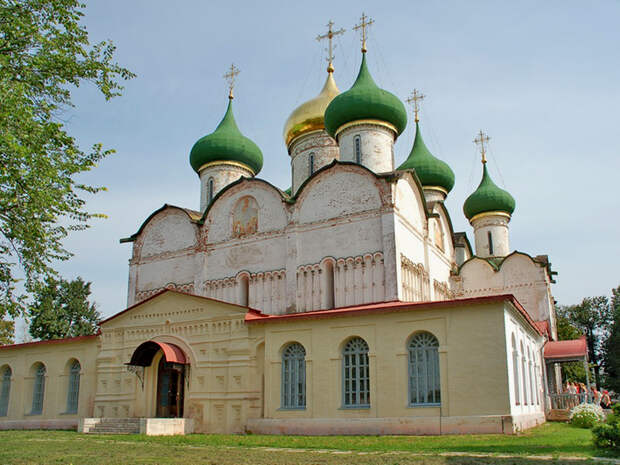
225 155
436 176
489 211
366 120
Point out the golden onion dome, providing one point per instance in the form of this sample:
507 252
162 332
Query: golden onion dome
308 116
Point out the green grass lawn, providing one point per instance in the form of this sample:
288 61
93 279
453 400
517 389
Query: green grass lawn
560 441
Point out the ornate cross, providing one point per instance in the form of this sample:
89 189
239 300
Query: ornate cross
330 49
482 139
230 77
414 100
363 25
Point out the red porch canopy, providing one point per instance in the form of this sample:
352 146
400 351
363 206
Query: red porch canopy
144 353
566 351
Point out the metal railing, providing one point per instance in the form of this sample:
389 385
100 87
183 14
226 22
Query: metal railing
567 401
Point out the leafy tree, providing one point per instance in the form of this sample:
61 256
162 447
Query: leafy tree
7 331
44 55
612 345
593 316
61 309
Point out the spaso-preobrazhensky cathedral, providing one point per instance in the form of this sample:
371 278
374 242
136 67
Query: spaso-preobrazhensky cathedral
346 304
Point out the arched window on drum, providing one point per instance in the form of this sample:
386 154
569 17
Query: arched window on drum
294 377
424 380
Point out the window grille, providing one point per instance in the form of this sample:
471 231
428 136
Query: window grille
38 391
294 377
6 390
73 393
358 149
356 375
424 385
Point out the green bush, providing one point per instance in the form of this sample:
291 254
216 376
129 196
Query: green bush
586 415
607 435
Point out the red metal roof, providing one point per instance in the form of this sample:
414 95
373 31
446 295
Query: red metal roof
254 316
143 355
574 349
50 341
543 326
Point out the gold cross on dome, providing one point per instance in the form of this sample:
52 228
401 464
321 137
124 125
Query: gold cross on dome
330 48
414 100
230 77
363 25
482 139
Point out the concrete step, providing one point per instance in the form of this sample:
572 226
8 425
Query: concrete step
111 426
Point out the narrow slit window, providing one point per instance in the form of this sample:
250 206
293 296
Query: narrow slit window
311 164
490 237
358 149
211 190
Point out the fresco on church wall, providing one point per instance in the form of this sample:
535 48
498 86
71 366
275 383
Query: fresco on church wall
245 217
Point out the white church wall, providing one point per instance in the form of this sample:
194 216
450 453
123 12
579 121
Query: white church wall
339 238
156 275
525 370
169 231
518 275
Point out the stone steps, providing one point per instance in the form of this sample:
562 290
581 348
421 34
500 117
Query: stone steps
110 426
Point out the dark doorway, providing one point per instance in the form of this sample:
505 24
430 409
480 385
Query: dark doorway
170 389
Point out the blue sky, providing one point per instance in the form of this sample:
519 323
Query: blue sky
541 78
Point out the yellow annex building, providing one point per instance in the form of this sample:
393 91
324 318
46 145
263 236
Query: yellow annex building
346 304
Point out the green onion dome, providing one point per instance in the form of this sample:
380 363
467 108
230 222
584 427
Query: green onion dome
226 143
431 170
365 100
488 198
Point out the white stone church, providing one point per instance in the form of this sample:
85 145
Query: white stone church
344 305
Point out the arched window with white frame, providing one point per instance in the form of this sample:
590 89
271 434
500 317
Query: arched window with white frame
38 389
531 375
355 374
5 391
515 370
424 379
73 390
524 375
294 377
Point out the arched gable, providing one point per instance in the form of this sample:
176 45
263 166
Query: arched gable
169 229
245 207
410 201
337 190
441 216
